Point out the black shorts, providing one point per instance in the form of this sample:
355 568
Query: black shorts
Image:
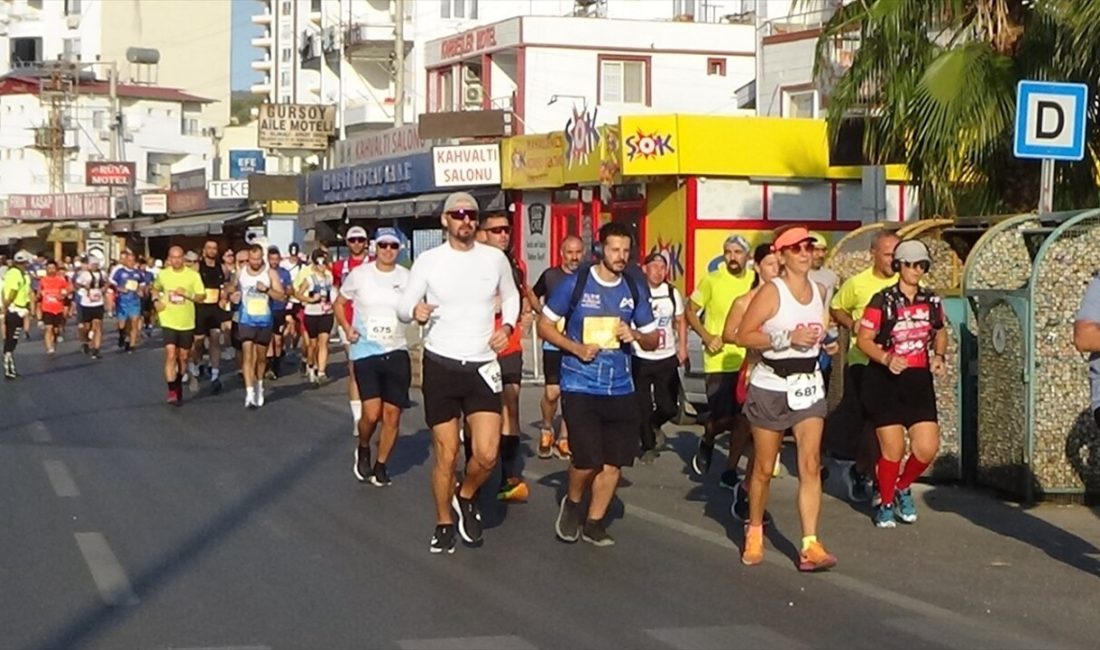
89 314
208 318
179 338
53 320
253 334
551 367
603 430
385 376
511 368
454 388
892 400
278 317
318 325
722 395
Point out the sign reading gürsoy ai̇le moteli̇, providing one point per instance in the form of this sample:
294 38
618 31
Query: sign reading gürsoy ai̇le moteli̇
296 126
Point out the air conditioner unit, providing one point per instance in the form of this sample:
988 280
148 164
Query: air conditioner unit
472 96
72 21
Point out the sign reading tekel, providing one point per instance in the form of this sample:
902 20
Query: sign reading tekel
296 126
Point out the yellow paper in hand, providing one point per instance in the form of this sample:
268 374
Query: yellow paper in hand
600 331
212 296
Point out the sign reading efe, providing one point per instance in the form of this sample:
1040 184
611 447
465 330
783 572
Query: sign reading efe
296 126
100 173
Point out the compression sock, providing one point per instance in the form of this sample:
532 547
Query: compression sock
914 467
887 474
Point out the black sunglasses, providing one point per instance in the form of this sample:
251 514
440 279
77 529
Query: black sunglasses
389 245
923 265
800 247
357 240
498 230
463 215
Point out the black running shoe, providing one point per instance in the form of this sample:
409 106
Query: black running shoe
84 348
729 480
443 539
469 519
740 507
380 478
216 386
362 463
700 463
570 520
595 534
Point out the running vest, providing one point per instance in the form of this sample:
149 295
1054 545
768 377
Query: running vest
213 278
255 307
772 372
93 296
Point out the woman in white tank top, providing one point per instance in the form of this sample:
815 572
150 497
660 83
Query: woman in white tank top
786 322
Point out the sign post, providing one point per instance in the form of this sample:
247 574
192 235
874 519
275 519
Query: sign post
1050 126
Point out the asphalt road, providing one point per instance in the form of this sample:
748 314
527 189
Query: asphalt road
131 524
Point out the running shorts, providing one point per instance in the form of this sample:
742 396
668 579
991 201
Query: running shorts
721 395
53 320
278 318
511 368
253 334
453 388
89 314
178 338
128 309
551 367
384 376
892 400
208 318
768 409
603 429
318 325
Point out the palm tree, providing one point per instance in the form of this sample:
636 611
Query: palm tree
936 82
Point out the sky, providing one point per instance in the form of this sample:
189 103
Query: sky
243 76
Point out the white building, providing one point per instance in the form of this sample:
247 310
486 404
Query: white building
192 37
308 46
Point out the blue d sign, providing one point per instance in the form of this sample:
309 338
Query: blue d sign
1050 120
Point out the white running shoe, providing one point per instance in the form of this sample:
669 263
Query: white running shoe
259 395
249 400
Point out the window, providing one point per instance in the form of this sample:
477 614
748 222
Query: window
315 5
26 50
99 120
189 125
458 9
716 67
683 8
284 78
448 85
288 7
285 99
287 55
72 7
800 104
445 8
70 49
624 81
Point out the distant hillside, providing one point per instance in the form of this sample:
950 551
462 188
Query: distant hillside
241 103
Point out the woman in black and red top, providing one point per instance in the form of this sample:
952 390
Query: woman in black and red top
903 334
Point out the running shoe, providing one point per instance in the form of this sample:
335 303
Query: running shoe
216 386
729 480
595 533
259 394
907 508
815 558
84 348
469 519
546 443
322 379
884 516
562 451
740 507
60 338
700 462
443 539
856 483
513 490
249 400
95 355
753 553
648 457
362 463
193 383
270 374
51 352
172 397
379 477
569 522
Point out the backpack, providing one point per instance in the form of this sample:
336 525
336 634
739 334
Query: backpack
890 309
582 281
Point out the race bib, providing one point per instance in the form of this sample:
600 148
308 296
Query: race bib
212 296
51 300
490 372
258 306
176 299
131 285
95 295
326 306
382 329
662 338
40 273
600 331
804 390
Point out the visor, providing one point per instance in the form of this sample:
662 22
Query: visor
791 237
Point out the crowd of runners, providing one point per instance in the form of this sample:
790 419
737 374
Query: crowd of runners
615 339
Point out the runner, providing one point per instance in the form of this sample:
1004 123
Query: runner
175 292
130 286
603 312
257 286
721 362
92 283
53 288
148 313
378 352
828 279
315 291
786 321
229 344
454 288
902 332
209 316
294 266
82 333
279 316
357 241
847 310
16 299
497 232
572 250
656 372
37 271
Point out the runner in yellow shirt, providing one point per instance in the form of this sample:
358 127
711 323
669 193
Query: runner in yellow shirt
175 293
15 299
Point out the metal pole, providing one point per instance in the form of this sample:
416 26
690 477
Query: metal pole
1046 186
116 117
399 62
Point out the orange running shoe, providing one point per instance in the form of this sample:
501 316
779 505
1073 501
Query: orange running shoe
546 443
815 558
514 490
754 548
562 450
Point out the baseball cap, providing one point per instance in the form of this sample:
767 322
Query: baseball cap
387 235
738 241
356 232
23 257
191 256
654 256
819 239
459 200
912 250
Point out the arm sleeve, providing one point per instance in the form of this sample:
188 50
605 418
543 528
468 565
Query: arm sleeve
415 291
872 315
510 299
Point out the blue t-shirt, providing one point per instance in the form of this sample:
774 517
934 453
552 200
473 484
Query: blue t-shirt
288 283
596 312
128 281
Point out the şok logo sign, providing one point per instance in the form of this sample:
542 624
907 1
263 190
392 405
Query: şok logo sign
648 145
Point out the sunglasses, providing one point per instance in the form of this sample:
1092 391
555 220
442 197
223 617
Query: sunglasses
357 240
463 215
390 246
498 230
800 247
923 265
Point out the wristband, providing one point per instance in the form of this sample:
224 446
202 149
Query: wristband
781 340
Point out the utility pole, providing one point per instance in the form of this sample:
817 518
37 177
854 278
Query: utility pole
399 62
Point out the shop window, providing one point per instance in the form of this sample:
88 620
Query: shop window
624 81
716 67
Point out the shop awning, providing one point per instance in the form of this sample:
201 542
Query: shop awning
19 231
120 226
334 212
200 224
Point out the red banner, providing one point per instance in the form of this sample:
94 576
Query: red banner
59 206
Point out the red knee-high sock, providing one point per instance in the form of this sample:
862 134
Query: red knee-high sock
914 467
887 474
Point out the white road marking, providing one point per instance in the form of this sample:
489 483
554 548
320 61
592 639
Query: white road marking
724 637
39 433
62 481
508 642
959 636
109 576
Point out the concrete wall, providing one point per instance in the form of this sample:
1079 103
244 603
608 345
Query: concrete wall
783 64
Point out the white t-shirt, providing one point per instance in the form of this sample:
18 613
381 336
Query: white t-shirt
91 288
665 309
463 284
828 279
374 295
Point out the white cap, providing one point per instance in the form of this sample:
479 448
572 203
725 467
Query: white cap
356 231
23 257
